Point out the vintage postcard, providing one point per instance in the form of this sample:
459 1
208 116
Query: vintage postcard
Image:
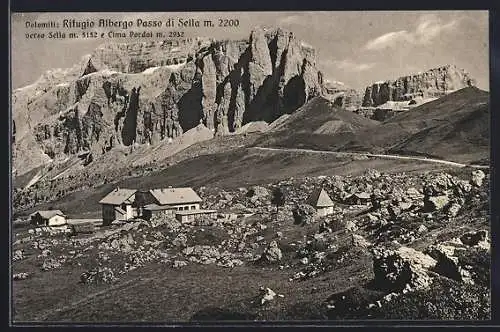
173 167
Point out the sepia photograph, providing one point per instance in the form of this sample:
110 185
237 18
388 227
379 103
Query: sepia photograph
177 167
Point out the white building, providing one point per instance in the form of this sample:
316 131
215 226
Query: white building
48 218
320 200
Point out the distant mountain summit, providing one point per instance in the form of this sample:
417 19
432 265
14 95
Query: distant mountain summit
139 93
433 83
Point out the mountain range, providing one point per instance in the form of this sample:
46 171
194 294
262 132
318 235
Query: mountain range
151 100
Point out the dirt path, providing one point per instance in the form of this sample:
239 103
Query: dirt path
386 156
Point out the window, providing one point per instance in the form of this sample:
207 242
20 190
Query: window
193 207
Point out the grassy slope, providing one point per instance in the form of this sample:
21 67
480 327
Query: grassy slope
451 127
158 292
240 167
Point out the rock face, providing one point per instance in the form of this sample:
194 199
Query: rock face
342 96
435 82
402 268
123 94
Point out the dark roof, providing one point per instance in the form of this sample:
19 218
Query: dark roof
174 196
319 198
49 213
117 196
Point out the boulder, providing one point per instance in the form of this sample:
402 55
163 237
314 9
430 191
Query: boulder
267 295
477 178
448 263
17 255
303 214
404 268
436 203
474 238
272 253
453 209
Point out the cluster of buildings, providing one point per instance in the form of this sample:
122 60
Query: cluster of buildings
184 203
126 204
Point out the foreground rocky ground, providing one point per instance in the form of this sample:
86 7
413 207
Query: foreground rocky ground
411 246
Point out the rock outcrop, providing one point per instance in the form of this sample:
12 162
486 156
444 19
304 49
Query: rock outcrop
433 83
342 95
123 94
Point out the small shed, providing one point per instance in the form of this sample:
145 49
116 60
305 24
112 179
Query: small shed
361 198
320 200
48 218
192 215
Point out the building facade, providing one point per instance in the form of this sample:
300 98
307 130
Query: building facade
119 204
320 200
167 201
48 218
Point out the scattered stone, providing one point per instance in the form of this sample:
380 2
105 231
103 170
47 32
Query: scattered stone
51 264
477 178
436 203
351 226
21 276
98 275
303 214
453 209
474 238
17 255
359 241
272 253
267 295
422 229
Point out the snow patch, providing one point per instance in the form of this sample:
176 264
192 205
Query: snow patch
175 67
304 44
150 70
108 72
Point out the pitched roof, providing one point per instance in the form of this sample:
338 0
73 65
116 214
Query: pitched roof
49 213
117 196
319 198
173 196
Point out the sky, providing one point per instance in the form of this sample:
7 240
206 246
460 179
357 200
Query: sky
356 48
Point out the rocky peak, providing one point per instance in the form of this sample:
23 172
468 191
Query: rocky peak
342 95
432 83
222 84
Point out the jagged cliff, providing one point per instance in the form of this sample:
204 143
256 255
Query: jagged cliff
435 82
341 95
146 92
